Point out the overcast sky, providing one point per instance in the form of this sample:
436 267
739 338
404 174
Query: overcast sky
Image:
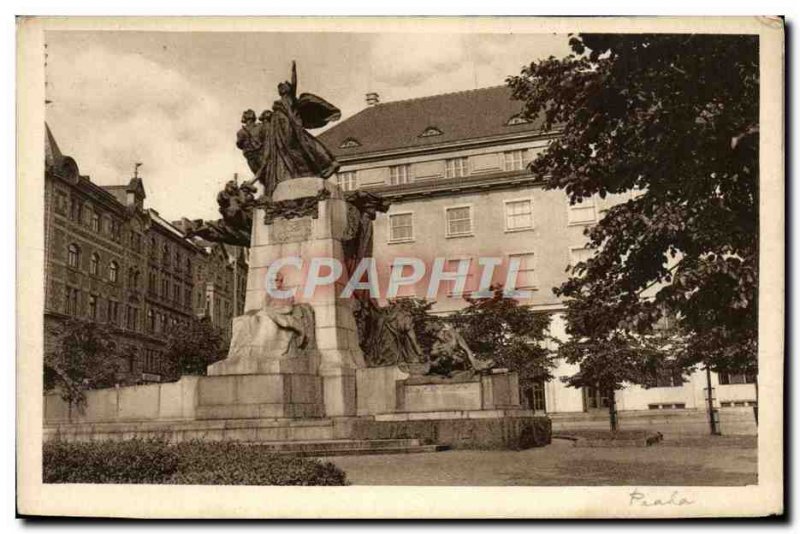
173 100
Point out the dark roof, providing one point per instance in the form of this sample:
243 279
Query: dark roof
460 116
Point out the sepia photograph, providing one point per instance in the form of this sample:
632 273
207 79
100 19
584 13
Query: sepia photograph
379 257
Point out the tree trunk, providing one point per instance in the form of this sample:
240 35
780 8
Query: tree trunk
612 409
755 408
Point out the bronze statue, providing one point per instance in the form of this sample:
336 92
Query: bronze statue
250 139
287 150
387 334
236 207
451 350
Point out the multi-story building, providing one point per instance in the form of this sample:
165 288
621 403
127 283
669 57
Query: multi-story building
454 167
110 259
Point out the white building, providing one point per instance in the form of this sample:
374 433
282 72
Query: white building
454 167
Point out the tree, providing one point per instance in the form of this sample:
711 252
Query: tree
499 328
84 357
191 348
675 119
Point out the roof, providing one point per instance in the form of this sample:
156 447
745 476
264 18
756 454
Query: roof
460 116
52 154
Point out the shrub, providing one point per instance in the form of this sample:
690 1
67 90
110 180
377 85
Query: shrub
232 463
135 461
154 461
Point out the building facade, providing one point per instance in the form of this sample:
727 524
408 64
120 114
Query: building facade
110 259
454 167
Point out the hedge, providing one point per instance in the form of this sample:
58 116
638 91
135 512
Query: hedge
154 461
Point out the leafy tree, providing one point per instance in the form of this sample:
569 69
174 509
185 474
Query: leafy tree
674 118
191 348
84 356
500 329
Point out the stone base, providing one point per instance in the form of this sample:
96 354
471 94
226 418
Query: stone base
243 366
259 396
514 430
478 392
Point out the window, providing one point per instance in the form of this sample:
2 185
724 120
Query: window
188 267
61 202
151 321
398 175
176 293
455 168
669 406
151 282
164 288
451 266
514 160
579 254
136 241
728 379
133 318
533 397
517 119
94 264
113 311
583 212
431 131
71 301
153 247
75 210
165 254
74 256
178 261
350 142
666 378
347 180
401 227
519 215
92 306
113 272
116 233
459 221
95 222
526 278
738 404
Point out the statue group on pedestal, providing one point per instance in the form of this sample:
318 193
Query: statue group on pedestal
278 147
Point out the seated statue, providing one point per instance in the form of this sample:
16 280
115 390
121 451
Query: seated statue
451 352
279 330
387 335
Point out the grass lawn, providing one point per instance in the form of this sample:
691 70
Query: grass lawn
691 461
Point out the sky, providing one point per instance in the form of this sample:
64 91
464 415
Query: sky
173 100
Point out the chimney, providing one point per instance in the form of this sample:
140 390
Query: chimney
373 99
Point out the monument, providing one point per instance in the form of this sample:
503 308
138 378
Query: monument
314 363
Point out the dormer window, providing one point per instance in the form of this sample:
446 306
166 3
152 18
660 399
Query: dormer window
431 131
350 142
517 119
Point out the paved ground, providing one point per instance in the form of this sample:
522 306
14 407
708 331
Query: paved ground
701 461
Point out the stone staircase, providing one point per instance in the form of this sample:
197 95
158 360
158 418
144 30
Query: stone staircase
348 447
297 437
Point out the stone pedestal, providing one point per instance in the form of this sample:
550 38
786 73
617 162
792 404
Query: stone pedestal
479 392
312 222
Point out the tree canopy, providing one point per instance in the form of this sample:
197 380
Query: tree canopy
673 118
514 336
84 356
191 348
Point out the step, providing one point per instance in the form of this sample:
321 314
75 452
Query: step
365 452
336 444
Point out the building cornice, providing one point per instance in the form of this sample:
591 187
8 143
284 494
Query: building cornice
504 139
450 186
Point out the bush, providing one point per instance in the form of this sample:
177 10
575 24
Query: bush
139 461
135 461
232 463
